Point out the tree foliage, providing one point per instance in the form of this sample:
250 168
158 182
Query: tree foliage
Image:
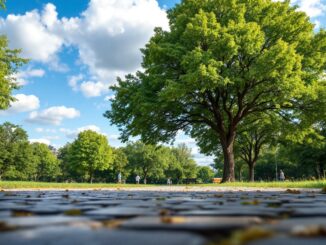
145 160
47 164
13 149
120 163
90 152
205 174
220 63
9 63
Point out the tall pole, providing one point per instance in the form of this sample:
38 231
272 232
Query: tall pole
275 166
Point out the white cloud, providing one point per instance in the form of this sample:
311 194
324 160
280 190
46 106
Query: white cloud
185 141
94 89
22 76
23 103
42 141
74 80
108 36
53 115
46 130
52 137
317 24
33 33
203 160
114 137
109 97
313 8
73 133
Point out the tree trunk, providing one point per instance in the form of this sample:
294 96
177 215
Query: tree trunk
240 174
145 177
228 173
251 172
91 178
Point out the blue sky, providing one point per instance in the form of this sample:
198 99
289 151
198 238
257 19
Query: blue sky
77 50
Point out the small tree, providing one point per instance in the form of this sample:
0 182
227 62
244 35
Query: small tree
205 173
47 164
90 152
13 146
120 163
188 165
145 160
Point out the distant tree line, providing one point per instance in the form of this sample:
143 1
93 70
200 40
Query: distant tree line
260 155
90 158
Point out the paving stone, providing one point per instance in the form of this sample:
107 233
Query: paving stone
229 212
84 236
121 212
309 212
290 241
39 221
195 224
156 214
292 224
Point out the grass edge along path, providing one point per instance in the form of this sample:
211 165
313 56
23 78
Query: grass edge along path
51 185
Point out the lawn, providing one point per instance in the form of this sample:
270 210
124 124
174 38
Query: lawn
51 185
45 185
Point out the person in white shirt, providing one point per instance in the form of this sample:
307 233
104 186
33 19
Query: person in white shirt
119 178
282 176
137 179
169 182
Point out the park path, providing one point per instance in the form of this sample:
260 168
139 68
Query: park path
163 215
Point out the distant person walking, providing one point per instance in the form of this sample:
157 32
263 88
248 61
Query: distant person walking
282 176
169 181
119 177
137 179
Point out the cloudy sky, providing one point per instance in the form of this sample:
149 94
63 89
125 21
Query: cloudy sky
77 49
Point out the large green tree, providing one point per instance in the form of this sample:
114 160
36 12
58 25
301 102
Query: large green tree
90 152
220 62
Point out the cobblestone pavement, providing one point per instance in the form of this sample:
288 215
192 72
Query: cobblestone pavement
168 216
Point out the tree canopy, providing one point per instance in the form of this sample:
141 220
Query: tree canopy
90 152
47 164
220 63
9 63
13 144
145 160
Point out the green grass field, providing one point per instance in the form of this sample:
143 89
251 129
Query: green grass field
44 185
